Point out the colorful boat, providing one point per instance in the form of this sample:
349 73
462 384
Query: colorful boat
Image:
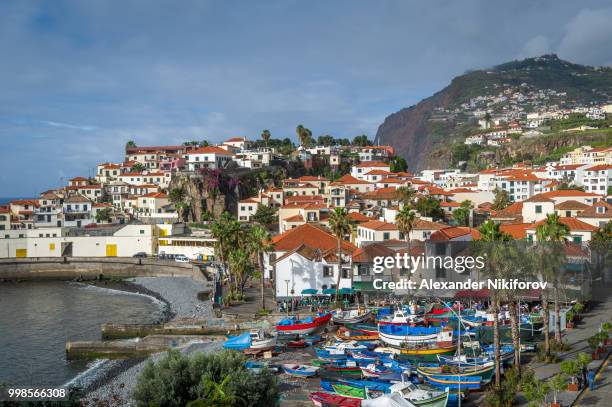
400 335
485 372
255 340
424 396
367 329
354 316
300 370
346 334
401 318
387 400
342 370
322 399
427 353
455 382
349 391
304 326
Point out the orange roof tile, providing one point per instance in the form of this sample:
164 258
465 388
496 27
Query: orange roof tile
516 230
571 204
571 223
378 225
210 150
311 235
453 232
367 164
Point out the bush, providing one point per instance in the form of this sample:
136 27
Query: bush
504 396
535 390
204 379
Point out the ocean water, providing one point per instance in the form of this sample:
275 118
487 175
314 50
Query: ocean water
37 318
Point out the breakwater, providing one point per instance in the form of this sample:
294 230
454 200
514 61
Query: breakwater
91 268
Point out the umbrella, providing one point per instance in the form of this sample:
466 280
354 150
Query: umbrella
329 291
346 291
311 291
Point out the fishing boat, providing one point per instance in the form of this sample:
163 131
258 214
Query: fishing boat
455 382
354 316
376 385
401 318
255 340
297 344
347 369
427 352
400 335
322 399
257 367
345 334
327 355
300 370
308 325
350 391
420 396
374 370
367 329
485 372
342 347
387 400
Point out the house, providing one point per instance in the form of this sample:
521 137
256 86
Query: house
153 204
511 214
596 179
107 172
536 208
363 266
358 171
49 211
579 231
570 209
78 181
23 213
5 218
376 175
76 211
295 214
352 183
208 157
246 209
588 155
598 215
238 143
306 257
376 231
423 229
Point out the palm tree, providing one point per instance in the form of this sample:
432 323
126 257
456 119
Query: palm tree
260 244
406 195
340 225
216 394
304 135
490 236
406 219
555 232
177 197
130 144
600 246
226 230
265 135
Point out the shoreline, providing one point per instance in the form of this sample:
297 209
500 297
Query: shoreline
115 379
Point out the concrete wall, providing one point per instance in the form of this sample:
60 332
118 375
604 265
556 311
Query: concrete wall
92 268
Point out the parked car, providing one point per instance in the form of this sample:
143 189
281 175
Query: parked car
141 255
181 258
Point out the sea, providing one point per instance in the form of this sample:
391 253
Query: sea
37 318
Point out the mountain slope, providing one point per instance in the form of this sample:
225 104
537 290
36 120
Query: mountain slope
440 120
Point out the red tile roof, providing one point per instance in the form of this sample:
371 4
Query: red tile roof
367 253
571 205
591 211
210 150
378 225
516 230
453 232
311 235
571 223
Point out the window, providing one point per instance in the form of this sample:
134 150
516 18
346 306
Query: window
363 270
328 271
577 239
386 236
142 232
346 273
538 209
568 214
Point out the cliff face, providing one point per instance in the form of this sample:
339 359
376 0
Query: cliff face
415 131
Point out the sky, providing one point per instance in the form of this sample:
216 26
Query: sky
78 79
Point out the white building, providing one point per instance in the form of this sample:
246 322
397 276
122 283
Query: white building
208 157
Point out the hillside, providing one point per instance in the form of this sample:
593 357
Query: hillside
424 132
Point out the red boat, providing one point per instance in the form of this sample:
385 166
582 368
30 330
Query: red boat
297 344
303 326
320 399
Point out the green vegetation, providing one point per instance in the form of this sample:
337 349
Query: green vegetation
362 141
462 214
138 167
204 379
104 215
501 201
430 207
398 164
265 215
576 120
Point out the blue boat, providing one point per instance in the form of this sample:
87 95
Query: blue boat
239 342
300 370
327 355
375 385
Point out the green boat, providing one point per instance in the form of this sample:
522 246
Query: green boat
349 391
485 372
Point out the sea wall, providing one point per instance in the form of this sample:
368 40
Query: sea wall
90 268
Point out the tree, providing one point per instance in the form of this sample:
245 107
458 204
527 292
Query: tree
204 379
326 140
361 141
265 215
177 197
191 143
429 207
405 194
304 135
552 230
204 143
489 247
406 219
340 225
239 260
138 167
260 244
104 215
487 118
462 214
265 136
130 144
601 245
398 164
226 230
501 201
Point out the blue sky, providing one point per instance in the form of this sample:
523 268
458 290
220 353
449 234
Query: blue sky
80 78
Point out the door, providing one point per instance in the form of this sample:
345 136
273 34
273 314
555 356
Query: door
111 250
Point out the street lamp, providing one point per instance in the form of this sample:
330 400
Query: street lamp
287 292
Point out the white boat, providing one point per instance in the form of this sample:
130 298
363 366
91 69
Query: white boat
260 340
401 318
342 347
353 316
420 395
387 400
401 335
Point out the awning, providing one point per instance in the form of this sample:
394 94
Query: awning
310 291
346 291
329 291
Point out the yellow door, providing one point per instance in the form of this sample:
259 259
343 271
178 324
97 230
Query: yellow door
111 250
21 252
